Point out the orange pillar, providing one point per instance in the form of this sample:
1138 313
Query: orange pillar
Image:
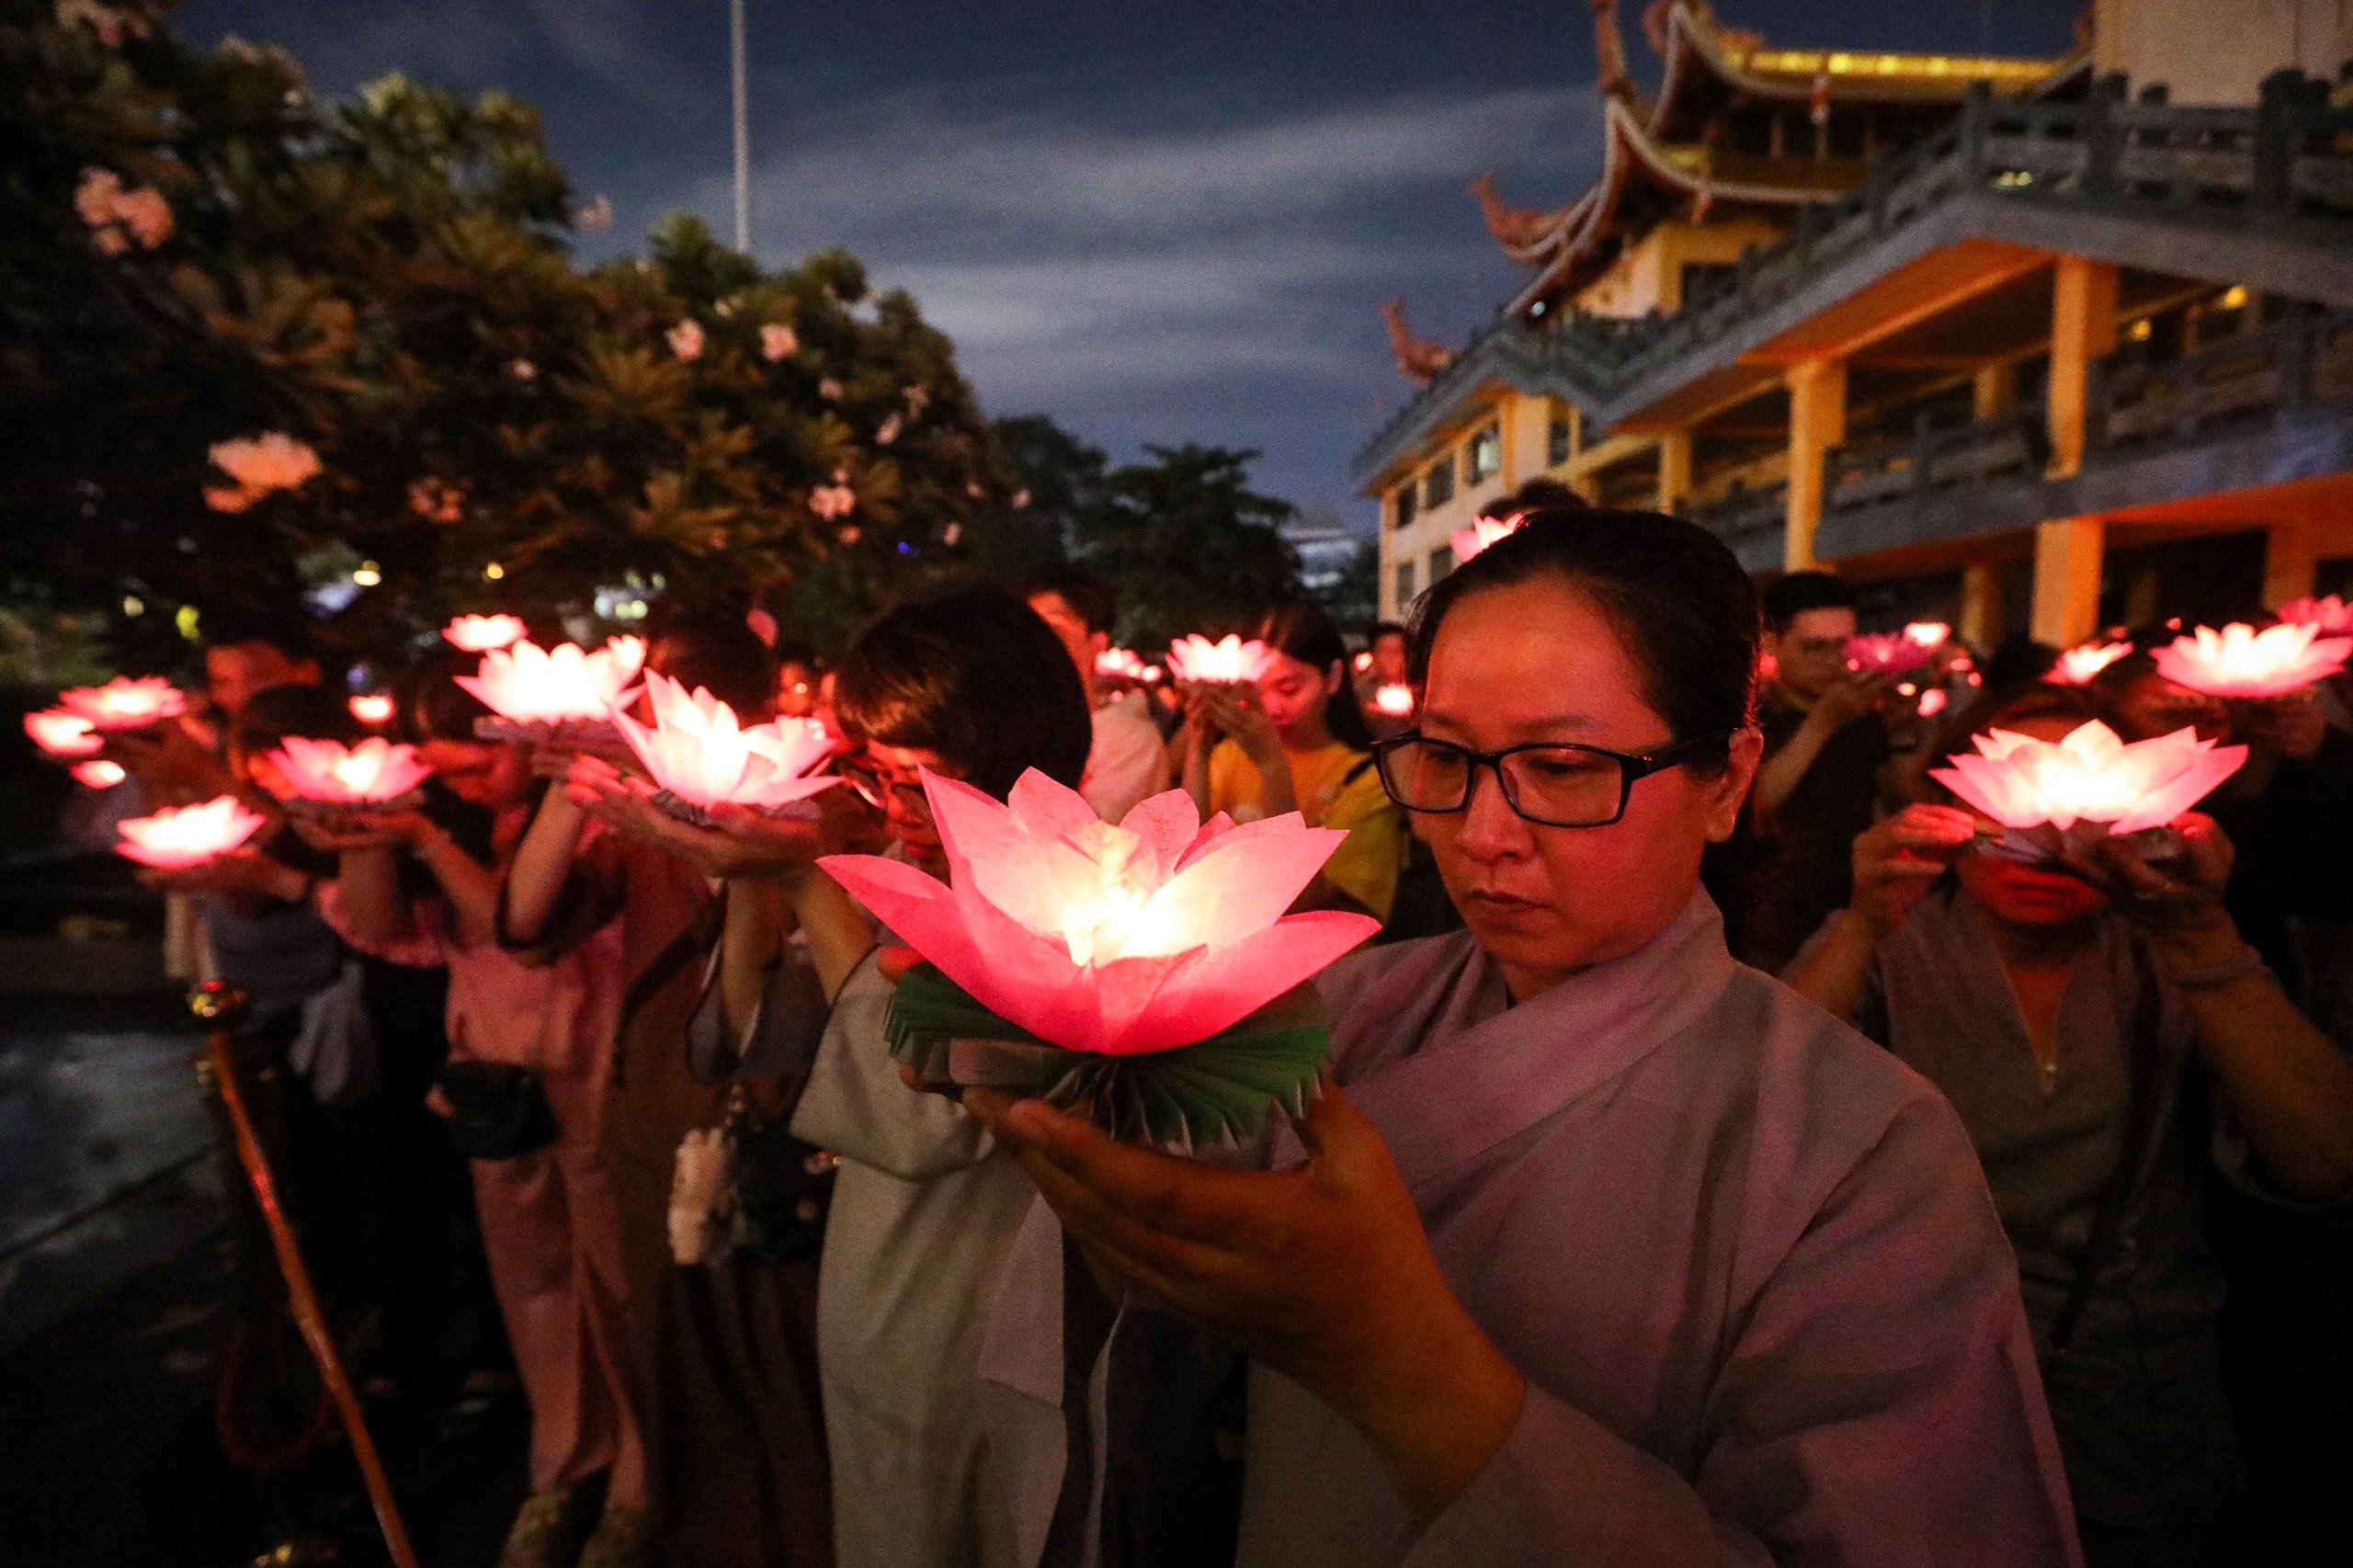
2066 580
2082 328
1980 603
2290 559
1674 469
1817 422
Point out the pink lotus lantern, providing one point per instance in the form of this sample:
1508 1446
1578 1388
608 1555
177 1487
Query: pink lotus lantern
481 633
2077 665
59 733
371 707
2331 616
1111 967
1120 664
1362 661
1896 652
174 839
2239 660
2058 797
99 774
565 694
1394 700
700 757
1230 660
1933 701
329 777
1481 534
126 704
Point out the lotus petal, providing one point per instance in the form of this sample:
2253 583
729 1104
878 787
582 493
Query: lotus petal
2239 660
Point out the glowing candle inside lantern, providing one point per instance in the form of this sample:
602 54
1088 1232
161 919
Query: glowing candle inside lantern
61 733
2077 665
1123 664
372 773
1482 535
566 684
1395 699
1119 940
372 707
481 633
126 704
2090 776
99 774
1363 662
177 839
1230 660
695 750
2239 660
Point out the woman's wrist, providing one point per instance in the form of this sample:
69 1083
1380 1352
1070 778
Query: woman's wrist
1444 1403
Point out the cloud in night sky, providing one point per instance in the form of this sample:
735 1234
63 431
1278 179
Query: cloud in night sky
1158 221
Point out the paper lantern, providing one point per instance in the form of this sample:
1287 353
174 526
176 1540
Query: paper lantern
481 633
1111 947
1933 701
1481 534
1362 663
177 839
1394 700
376 774
2077 665
2331 616
372 707
560 693
2239 660
1896 652
700 757
1230 660
125 704
2056 796
1121 664
59 733
99 774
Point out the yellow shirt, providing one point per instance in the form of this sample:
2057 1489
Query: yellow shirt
1365 866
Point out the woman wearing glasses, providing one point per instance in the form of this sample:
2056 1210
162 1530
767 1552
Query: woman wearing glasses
1603 1248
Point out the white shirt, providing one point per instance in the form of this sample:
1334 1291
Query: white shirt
1128 764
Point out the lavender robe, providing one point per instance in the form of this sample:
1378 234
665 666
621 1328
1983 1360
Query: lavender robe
1745 1260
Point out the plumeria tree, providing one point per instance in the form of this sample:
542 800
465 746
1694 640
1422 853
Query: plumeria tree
255 342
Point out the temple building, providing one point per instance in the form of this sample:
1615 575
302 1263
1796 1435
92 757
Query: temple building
2031 344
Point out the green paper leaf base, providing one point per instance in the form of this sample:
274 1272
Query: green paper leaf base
1216 1091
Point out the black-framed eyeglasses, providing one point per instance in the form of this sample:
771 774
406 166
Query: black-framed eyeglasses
1552 784
876 790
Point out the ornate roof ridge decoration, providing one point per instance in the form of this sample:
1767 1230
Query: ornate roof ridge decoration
1417 359
1694 47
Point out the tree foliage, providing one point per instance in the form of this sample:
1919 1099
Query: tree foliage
389 281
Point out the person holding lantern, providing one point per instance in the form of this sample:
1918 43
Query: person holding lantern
2124 999
1127 760
1294 740
968 685
1598 1245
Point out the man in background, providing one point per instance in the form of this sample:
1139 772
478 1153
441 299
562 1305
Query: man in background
1128 762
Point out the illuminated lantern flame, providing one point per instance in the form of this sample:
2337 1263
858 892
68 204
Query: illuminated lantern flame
1363 662
1481 534
1933 701
532 685
1121 940
2091 775
371 707
174 839
61 733
1125 664
1227 662
99 774
1395 699
481 633
2077 665
2239 660
1894 653
372 773
2331 616
126 704
695 750
1153 675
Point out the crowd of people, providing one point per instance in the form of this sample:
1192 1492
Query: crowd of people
2003 1215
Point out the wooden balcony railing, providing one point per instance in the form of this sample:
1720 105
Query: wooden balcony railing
1870 473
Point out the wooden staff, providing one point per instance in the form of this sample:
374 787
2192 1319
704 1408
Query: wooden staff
221 1006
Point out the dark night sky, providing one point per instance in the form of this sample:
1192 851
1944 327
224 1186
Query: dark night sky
1156 220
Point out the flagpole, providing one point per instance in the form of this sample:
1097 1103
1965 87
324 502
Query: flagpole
742 130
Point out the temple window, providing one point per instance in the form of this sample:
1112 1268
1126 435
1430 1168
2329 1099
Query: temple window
1437 485
1486 454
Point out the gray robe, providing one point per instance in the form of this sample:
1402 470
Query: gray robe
1745 1258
